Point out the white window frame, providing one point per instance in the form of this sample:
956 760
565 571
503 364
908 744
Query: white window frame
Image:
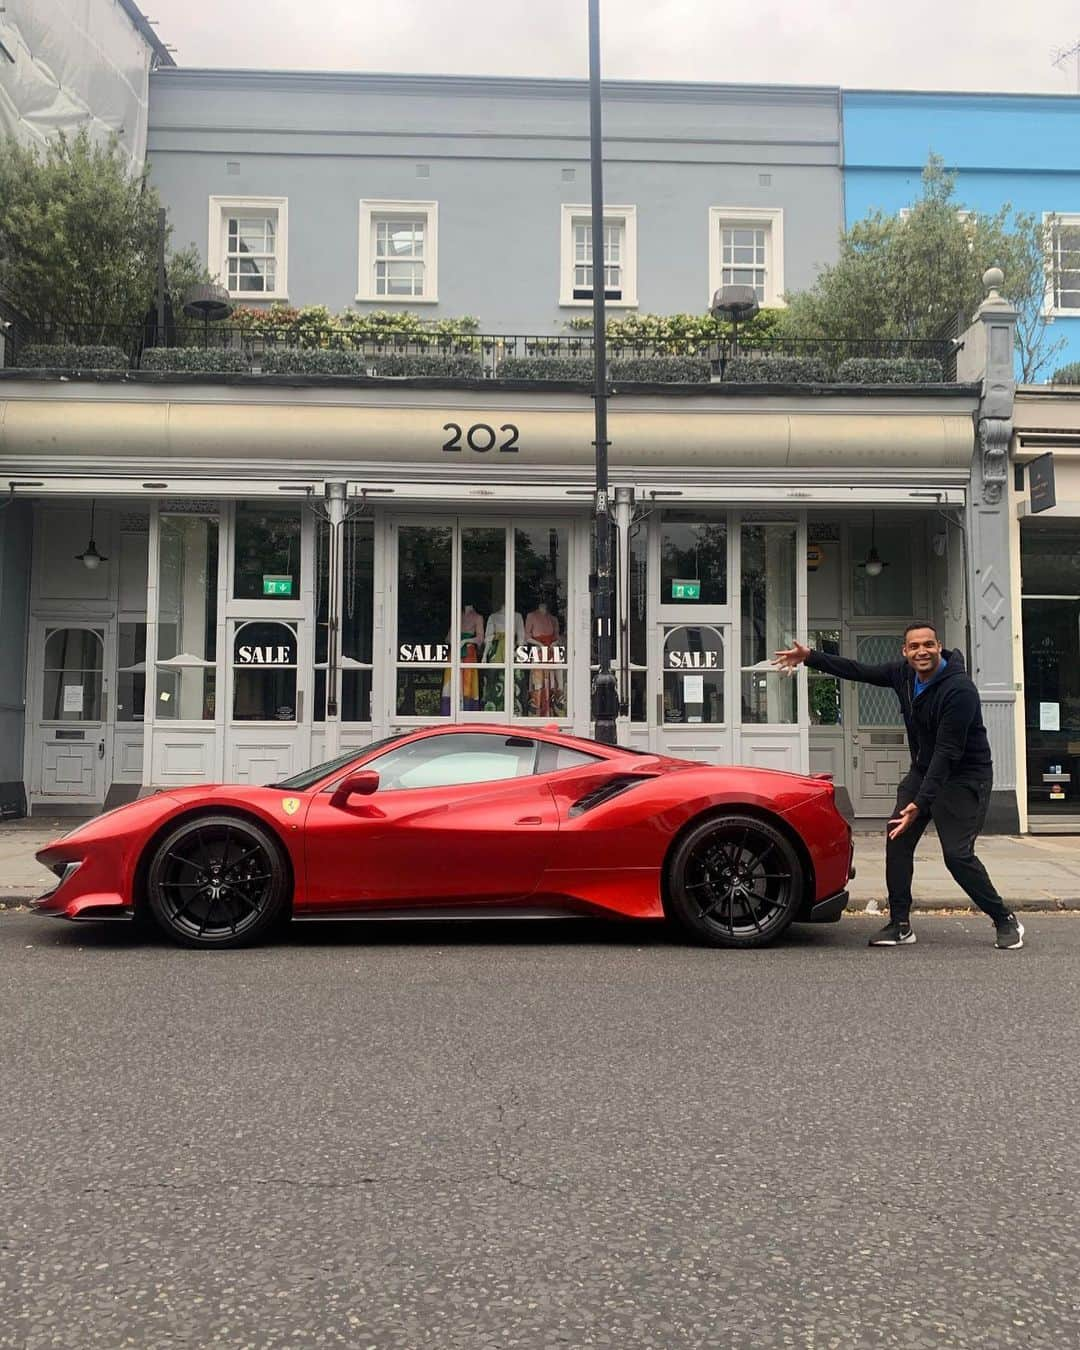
771 218
217 249
1053 220
624 215
370 208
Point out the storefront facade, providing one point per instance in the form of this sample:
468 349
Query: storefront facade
245 623
1046 542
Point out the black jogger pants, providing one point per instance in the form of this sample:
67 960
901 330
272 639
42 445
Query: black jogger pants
958 813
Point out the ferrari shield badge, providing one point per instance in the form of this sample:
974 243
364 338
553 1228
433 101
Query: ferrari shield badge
291 805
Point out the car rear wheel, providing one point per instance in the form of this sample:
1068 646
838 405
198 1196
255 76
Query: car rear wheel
734 881
217 881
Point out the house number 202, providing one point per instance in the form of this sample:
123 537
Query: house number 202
481 438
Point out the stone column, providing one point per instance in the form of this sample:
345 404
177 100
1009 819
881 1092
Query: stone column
992 338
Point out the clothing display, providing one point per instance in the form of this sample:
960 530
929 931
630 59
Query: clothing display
545 695
494 681
470 646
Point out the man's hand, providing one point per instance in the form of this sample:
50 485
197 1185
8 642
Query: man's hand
907 817
790 659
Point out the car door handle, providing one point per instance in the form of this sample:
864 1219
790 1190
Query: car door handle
529 820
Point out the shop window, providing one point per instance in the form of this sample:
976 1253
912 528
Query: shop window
424 627
541 660
73 675
130 672
890 591
826 705
264 672
484 633
457 758
187 617
355 619
693 558
266 552
768 620
637 621
693 674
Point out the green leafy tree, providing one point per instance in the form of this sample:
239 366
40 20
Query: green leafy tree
79 235
908 277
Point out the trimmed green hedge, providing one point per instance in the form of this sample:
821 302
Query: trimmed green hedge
45 357
441 367
890 370
1069 374
776 370
312 361
661 370
578 368
621 370
197 360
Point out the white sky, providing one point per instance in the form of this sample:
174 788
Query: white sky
917 44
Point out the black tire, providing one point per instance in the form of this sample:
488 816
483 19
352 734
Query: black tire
734 881
217 881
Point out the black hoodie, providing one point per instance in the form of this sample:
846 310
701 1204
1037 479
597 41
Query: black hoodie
944 724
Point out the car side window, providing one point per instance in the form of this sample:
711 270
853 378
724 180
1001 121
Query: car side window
552 758
458 758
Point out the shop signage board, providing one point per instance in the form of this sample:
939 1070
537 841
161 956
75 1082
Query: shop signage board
685 590
1042 490
276 585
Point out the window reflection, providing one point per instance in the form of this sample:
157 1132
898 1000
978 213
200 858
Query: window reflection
693 548
187 617
267 552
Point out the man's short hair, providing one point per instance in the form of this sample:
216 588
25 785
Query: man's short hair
920 623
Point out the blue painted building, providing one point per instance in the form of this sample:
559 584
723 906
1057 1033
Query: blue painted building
1021 149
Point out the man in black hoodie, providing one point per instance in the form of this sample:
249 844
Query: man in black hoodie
949 780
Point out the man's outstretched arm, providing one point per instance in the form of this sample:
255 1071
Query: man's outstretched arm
841 666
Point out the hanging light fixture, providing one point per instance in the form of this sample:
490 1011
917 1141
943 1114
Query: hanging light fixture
90 557
873 564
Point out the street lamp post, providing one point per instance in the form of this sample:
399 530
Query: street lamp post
605 692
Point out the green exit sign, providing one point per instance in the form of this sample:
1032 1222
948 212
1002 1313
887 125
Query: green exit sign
277 585
686 590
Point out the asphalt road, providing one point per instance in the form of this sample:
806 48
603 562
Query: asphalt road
539 1137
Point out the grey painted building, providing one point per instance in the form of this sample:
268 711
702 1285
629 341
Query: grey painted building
478 185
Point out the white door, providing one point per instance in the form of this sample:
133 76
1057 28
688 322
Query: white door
70 733
270 719
693 691
880 755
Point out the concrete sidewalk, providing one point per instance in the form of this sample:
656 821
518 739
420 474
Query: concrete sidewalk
1031 872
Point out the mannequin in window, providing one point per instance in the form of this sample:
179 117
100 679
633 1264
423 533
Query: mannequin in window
545 696
471 645
494 699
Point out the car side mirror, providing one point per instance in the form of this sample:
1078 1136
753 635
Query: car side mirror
362 783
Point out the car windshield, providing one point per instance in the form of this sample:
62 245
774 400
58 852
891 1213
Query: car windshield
309 777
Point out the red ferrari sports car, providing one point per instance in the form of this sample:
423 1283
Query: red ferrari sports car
454 822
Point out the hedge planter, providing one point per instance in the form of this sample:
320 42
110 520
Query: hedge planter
890 370
312 361
776 370
576 369
197 360
438 367
660 370
44 357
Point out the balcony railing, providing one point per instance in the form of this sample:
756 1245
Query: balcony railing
281 350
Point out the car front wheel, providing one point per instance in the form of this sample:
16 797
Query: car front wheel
217 881
734 881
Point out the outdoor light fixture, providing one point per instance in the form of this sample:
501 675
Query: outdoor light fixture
90 558
873 564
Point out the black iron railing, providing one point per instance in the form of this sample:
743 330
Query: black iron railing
302 348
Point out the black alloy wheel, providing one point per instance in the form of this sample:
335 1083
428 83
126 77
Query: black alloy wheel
734 881
217 881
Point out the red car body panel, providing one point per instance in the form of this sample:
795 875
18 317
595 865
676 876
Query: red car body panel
515 842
